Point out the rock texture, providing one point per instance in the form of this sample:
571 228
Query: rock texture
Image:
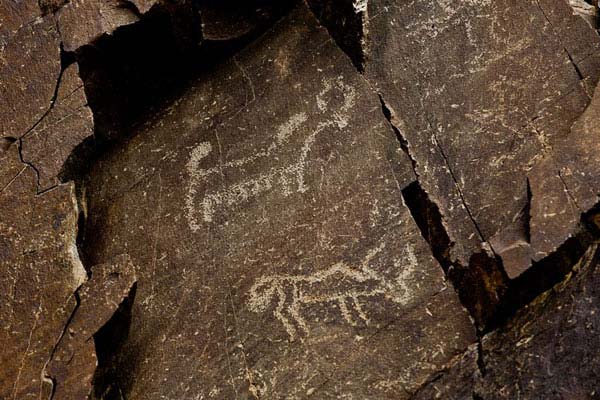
83 21
324 199
73 364
586 9
40 272
548 350
68 122
284 271
234 19
347 22
29 66
479 111
43 116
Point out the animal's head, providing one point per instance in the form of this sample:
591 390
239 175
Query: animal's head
261 294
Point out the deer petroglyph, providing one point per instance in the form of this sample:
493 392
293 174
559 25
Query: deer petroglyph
339 285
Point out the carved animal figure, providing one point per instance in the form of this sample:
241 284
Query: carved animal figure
288 178
340 285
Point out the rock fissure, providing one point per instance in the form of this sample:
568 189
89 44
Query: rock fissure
50 106
45 373
388 114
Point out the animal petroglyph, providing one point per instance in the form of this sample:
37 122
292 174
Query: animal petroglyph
340 285
288 178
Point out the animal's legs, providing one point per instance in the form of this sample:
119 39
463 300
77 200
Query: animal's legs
279 311
359 310
294 310
345 311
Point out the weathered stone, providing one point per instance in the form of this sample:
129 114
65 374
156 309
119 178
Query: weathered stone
17 15
10 167
587 11
74 361
565 183
143 6
233 19
276 258
263 207
347 22
83 21
480 91
29 66
549 350
456 381
40 272
68 123
51 6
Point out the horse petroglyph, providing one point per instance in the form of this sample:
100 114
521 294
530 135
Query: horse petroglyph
339 285
288 178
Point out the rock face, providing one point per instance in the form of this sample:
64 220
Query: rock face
68 122
265 256
74 360
347 22
548 350
587 10
223 20
46 321
40 272
43 117
324 199
479 111
83 21
557 334
29 66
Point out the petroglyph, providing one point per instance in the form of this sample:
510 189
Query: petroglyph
288 178
340 285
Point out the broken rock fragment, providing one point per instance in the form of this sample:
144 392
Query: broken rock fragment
456 381
66 125
565 183
347 22
549 350
40 273
587 11
83 21
17 15
74 359
234 19
29 66
263 208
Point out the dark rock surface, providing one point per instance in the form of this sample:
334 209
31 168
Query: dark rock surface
233 19
268 217
347 22
74 359
68 123
547 351
276 257
84 21
43 116
588 10
456 381
29 66
550 349
479 110
40 272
